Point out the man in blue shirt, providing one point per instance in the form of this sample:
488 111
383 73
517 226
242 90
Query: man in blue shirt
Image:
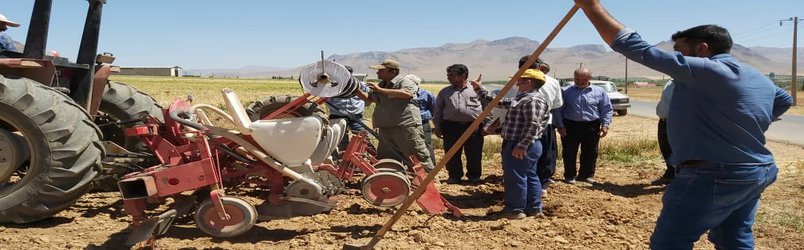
426 104
6 43
720 110
340 108
582 120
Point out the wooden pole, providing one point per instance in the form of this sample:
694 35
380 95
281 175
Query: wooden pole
451 152
794 82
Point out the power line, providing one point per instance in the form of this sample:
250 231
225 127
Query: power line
762 38
749 31
755 34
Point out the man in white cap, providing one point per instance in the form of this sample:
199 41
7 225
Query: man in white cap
6 43
396 116
426 104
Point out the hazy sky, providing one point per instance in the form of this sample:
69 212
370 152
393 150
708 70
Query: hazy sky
235 33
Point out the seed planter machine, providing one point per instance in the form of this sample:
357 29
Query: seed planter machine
286 155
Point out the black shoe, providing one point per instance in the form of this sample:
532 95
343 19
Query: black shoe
569 181
661 181
454 181
475 181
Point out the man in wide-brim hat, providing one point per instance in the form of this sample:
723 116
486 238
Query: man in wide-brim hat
6 43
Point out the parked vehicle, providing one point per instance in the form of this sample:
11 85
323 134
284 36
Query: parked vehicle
498 114
619 101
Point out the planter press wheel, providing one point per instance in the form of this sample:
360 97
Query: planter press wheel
242 217
390 166
385 189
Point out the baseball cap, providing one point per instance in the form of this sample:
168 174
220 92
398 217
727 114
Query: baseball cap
416 79
5 20
387 64
533 74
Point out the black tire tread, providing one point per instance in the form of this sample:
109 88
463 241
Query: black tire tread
265 106
125 102
73 151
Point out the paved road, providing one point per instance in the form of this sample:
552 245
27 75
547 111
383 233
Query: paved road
789 129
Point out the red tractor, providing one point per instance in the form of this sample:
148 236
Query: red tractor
62 123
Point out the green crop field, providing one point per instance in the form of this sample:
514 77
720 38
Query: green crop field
208 91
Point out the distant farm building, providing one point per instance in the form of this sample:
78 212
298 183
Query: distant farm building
644 84
174 71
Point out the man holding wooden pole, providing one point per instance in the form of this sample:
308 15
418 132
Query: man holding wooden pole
720 111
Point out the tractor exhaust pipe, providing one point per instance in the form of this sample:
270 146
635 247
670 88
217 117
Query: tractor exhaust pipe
36 42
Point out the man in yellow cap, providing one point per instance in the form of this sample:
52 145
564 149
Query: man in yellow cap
6 43
524 123
397 116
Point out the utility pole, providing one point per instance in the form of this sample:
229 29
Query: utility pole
626 75
794 80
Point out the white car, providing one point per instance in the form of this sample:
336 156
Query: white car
498 114
619 102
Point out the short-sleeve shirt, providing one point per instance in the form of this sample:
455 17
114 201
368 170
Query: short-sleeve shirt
6 43
457 105
395 112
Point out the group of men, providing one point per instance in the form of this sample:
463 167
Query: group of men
404 111
711 132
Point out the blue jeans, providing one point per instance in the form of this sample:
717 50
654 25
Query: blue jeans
721 198
523 190
546 166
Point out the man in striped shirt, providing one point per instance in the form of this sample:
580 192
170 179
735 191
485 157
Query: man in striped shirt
524 123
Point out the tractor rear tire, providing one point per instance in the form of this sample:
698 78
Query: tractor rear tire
262 108
64 145
122 102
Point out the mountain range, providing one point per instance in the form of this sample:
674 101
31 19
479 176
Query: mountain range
497 60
